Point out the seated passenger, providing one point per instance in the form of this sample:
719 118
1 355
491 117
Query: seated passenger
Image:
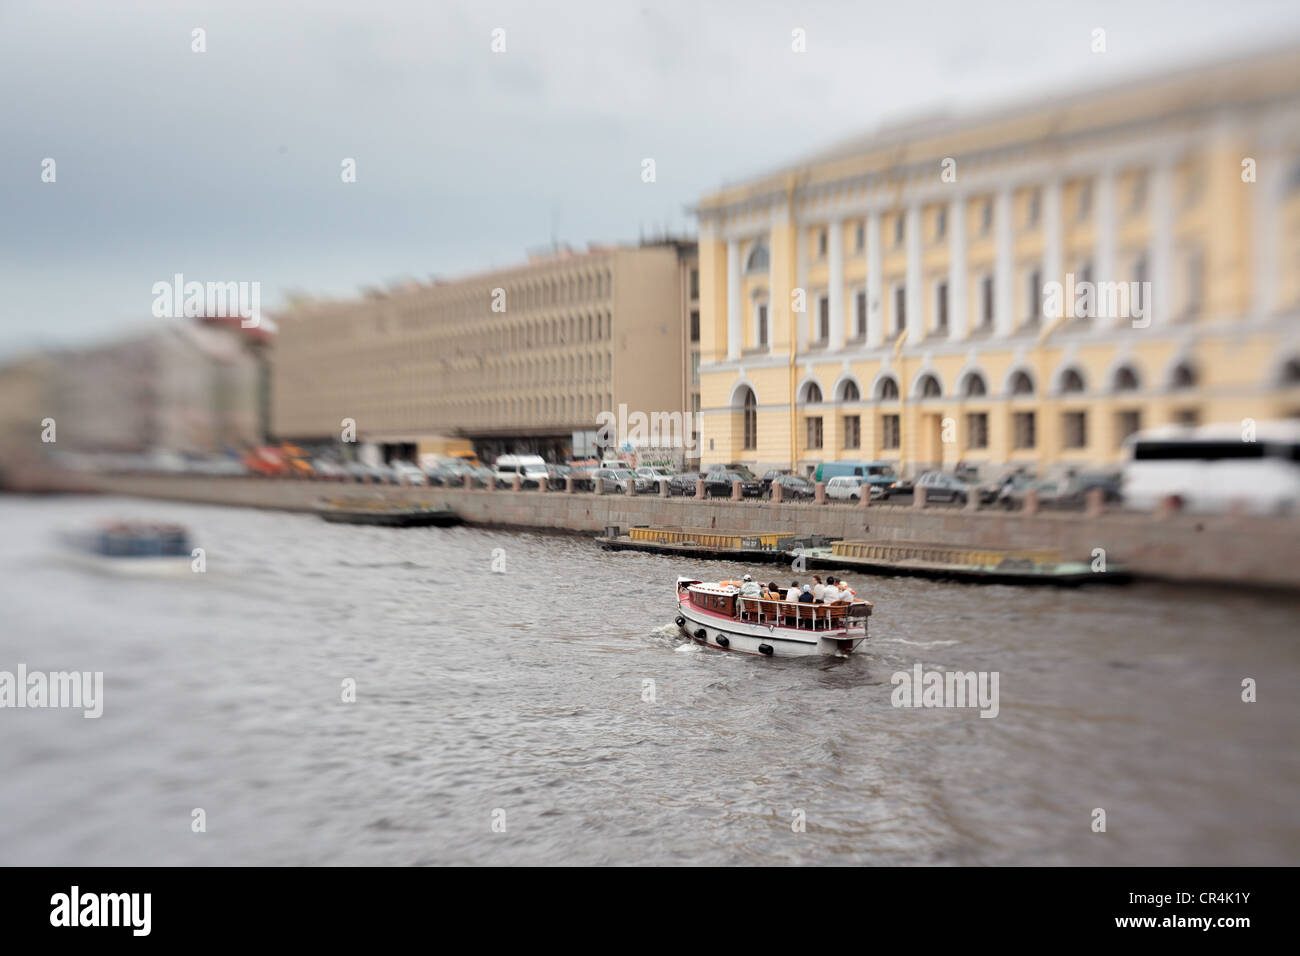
831 595
806 595
749 588
818 588
793 593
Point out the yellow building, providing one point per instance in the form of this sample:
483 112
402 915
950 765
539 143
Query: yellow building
1026 287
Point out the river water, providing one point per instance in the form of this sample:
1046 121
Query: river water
525 699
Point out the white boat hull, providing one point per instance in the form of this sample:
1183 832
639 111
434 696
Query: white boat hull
768 640
133 567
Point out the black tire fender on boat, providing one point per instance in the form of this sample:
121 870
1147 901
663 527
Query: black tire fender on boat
765 649
722 641
681 621
702 634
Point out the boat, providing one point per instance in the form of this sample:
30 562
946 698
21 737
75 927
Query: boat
388 514
135 548
716 615
970 565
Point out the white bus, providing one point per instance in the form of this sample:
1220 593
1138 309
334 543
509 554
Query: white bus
1214 467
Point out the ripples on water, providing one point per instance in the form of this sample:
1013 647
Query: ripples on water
523 692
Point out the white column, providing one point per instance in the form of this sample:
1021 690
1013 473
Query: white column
1004 267
836 291
1105 234
771 295
803 320
913 294
1053 265
735 321
875 324
957 269
1266 232
1162 241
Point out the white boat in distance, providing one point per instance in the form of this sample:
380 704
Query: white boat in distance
714 614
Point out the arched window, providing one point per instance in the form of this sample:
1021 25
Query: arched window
887 389
849 392
749 411
758 258
1126 379
928 387
1071 381
812 394
1022 384
1184 376
973 386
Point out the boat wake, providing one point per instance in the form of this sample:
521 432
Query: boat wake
903 640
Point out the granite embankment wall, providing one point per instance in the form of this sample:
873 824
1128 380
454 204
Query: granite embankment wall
1222 549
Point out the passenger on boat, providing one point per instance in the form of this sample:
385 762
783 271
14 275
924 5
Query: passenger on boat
818 588
750 588
806 595
847 594
793 593
831 594
773 591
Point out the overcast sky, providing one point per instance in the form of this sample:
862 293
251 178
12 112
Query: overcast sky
225 165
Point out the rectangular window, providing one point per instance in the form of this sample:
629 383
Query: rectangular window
760 320
977 430
695 283
852 431
1187 416
860 315
814 425
821 244
860 237
889 432
941 307
695 368
1084 208
823 319
1035 295
1074 428
986 301
695 325
900 309
1023 430
940 223
899 229
1128 422
986 216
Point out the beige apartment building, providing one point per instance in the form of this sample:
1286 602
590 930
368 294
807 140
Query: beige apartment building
516 360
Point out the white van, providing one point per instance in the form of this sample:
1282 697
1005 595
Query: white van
845 488
529 468
1213 467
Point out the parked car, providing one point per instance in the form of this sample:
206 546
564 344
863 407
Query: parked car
610 480
683 486
737 467
792 486
849 488
406 473
718 484
941 486
529 468
327 470
769 475
1050 492
872 472
654 474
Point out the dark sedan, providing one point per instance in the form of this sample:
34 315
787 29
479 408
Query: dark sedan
718 484
792 487
683 486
